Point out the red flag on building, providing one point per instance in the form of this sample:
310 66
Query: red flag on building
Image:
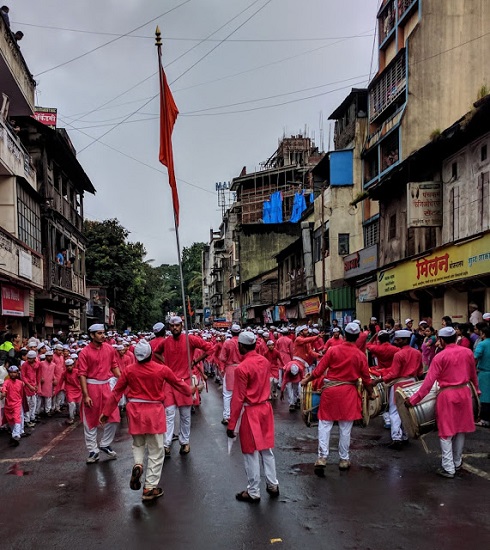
168 116
189 309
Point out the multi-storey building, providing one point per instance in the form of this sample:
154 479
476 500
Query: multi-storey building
62 183
433 66
21 260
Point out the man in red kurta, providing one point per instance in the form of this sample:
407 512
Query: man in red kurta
340 400
174 351
405 367
230 358
29 371
453 368
335 340
96 365
251 409
143 383
302 348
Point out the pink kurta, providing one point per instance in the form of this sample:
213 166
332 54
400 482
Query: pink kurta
274 358
47 377
288 376
59 371
453 366
72 386
145 381
14 391
251 393
230 358
29 374
174 351
97 364
284 346
331 342
345 363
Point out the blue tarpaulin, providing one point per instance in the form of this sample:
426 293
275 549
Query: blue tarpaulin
299 206
272 209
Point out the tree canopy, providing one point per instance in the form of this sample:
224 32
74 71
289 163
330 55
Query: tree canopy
141 293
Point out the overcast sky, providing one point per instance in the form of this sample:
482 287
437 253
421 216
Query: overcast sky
243 73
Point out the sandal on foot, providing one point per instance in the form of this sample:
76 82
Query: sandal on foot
135 483
243 496
152 494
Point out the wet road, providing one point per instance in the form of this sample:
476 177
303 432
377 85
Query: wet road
387 499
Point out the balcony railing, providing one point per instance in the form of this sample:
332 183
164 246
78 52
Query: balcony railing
61 276
387 20
403 6
13 155
388 88
294 286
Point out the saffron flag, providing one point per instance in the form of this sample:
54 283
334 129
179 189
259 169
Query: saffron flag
189 308
168 116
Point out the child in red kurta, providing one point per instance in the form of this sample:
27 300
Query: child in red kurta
13 392
73 390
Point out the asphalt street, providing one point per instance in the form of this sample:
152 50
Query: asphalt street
388 499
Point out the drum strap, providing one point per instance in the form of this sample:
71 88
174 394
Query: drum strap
397 380
334 383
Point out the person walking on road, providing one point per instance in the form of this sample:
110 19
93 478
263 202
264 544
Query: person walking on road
453 368
143 383
252 411
230 358
96 365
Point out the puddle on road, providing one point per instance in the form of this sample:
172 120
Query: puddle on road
302 469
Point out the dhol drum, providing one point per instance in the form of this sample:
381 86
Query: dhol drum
421 418
310 401
380 402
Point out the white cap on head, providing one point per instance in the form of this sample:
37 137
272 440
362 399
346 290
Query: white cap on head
486 316
270 342
13 368
74 356
260 331
119 347
403 334
58 347
41 345
97 327
266 334
285 330
373 319
408 321
422 322
315 331
49 352
32 344
175 320
357 321
69 362
31 354
473 304
235 327
336 329
382 332
248 338
303 327
294 369
353 328
157 327
142 350
446 332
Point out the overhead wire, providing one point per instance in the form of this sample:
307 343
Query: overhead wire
113 40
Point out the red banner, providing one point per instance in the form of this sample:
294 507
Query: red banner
12 301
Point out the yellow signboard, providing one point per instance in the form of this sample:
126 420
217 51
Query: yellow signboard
450 263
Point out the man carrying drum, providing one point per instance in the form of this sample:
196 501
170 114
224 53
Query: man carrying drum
406 366
453 368
340 401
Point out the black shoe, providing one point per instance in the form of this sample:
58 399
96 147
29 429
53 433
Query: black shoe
444 473
135 483
245 497
14 442
109 452
224 422
273 491
395 445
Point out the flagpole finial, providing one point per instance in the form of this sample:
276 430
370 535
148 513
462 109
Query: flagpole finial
158 37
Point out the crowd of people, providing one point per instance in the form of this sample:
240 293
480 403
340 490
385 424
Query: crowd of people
154 377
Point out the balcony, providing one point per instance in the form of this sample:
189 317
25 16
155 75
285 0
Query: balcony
63 207
390 86
15 78
14 159
404 6
386 20
294 287
19 262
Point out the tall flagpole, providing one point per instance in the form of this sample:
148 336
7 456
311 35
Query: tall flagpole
158 44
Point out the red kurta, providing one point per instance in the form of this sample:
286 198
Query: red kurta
453 366
145 381
284 346
72 386
331 342
361 341
251 393
174 351
29 375
274 358
288 376
384 353
302 347
345 363
407 363
47 377
97 364
230 357
14 391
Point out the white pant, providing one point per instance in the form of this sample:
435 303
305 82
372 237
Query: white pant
293 392
227 395
397 431
46 402
59 399
90 434
324 429
30 415
156 456
185 424
252 469
452 451
73 408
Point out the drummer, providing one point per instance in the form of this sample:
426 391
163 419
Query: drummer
405 367
383 352
453 368
341 366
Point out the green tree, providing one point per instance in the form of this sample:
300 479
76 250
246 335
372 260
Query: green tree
192 269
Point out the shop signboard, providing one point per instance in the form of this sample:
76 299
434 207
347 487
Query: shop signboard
368 292
424 204
311 306
361 262
451 263
12 301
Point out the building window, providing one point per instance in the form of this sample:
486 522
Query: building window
371 233
454 170
317 245
483 153
29 220
343 244
392 228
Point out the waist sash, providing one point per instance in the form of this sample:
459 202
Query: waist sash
97 382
